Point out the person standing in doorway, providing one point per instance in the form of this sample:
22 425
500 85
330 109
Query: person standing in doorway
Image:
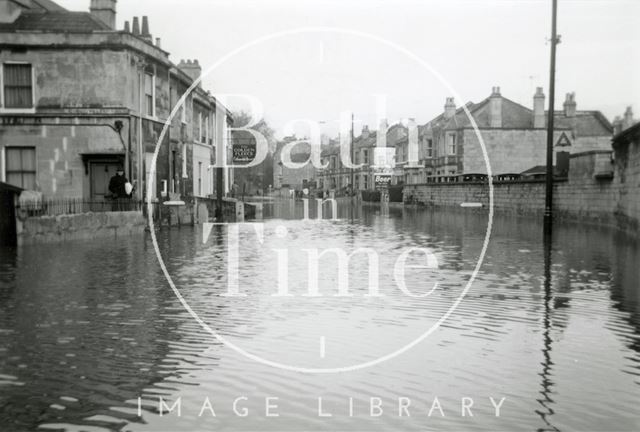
118 185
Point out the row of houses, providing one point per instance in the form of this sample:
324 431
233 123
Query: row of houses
515 138
79 97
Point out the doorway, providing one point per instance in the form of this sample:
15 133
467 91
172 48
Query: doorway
100 175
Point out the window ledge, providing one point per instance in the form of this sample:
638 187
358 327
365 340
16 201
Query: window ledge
17 110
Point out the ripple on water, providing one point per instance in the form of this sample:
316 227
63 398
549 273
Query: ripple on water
77 349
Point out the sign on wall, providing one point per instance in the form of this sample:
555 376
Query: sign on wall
243 153
563 141
382 180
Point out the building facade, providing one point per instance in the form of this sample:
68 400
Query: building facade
78 98
514 137
293 178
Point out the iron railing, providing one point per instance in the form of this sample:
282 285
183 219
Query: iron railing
66 206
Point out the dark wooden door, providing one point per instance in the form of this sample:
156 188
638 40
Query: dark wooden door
101 173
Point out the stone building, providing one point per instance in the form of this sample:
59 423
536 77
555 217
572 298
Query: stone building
335 176
364 150
79 97
371 152
293 178
514 136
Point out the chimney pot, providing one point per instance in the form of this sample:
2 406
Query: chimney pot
127 27
495 108
145 26
449 108
628 118
136 26
570 105
158 43
539 120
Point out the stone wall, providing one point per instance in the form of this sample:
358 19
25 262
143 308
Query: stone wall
509 151
60 171
50 229
600 189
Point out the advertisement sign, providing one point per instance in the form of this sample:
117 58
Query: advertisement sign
382 180
243 153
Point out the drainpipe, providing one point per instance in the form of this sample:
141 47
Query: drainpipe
129 161
141 173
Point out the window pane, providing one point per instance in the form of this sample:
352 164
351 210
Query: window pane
15 97
18 89
28 159
148 84
17 75
29 181
13 159
14 179
21 166
149 103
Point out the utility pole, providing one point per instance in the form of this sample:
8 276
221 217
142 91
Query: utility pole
353 185
548 206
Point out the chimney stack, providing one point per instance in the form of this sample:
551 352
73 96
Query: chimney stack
495 108
365 132
570 105
127 27
539 121
191 68
105 11
146 35
628 118
617 124
449 108
136 26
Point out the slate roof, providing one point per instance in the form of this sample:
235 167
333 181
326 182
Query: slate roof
47 5
58 21
516 116
585 123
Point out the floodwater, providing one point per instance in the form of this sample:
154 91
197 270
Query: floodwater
92 336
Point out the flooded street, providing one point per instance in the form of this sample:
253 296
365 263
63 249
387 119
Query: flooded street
91 329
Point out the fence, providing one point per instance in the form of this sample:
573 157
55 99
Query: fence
69 206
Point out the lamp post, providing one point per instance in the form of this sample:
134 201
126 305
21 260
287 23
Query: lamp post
548 206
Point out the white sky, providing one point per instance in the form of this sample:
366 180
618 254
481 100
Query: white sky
473 44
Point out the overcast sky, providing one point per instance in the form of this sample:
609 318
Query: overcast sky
473 44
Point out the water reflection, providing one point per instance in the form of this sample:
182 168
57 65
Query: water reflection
86 328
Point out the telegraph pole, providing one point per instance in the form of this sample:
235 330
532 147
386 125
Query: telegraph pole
548 206
353 185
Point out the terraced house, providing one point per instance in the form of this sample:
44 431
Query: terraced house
79 97
514 136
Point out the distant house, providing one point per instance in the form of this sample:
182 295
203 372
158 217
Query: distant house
514 136
79 97
294 178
